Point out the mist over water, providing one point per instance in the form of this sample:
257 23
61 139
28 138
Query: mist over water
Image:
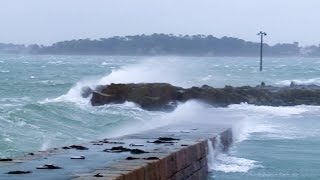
41 107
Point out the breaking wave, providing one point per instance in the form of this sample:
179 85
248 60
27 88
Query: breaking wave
312 81
144 72
220 161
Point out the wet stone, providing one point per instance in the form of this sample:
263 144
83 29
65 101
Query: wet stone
79 147
110 142
117 149
151 158
138 151
136 145
161 142
49 166
79 157
167 139
131 158
121 149
19 172
98 175
97 144
5 159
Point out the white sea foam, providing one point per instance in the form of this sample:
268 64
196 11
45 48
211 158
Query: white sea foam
227 164
186 113
219 161
266 120
206 78
268 110
315 81
45 145
7 139
245 119
56 62
145 72
105 63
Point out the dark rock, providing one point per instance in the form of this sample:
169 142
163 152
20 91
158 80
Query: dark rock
49 166
161 142
137 145
80 157
5 159
78 147
137 151
164 140
167 139
98 175
131 158
97 144
110 142
106 141
118 149
151 158
19 172
162 96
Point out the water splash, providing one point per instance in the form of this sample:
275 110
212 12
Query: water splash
220 161
45 145
314 81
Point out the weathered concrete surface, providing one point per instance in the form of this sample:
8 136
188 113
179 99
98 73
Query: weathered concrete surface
157 96
182 157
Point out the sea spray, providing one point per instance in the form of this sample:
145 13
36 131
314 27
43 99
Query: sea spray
151 70
213 150
45 145
221 161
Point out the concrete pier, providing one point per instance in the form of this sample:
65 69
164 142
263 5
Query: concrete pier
172 152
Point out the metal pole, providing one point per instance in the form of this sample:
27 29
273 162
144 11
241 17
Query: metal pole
261 52
261 47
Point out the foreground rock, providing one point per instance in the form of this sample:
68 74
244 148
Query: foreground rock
162 96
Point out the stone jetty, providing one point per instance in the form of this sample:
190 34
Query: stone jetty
162 96
172 152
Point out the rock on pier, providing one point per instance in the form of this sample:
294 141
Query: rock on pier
163 96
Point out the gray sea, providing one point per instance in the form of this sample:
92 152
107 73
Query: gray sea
41 108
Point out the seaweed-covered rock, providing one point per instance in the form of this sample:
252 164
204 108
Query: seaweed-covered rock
163 96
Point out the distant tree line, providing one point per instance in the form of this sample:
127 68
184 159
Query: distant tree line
164 44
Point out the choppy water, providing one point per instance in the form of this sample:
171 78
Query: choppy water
41 108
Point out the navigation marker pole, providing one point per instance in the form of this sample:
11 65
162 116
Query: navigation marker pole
261 34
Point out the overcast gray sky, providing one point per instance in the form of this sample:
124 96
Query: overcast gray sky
48 21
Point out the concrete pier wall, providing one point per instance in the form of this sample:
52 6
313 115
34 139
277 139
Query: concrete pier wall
175 152
184 162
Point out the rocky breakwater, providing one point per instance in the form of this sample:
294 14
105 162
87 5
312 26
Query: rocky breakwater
163 96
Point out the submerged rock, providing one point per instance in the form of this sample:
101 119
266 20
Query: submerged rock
162 96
